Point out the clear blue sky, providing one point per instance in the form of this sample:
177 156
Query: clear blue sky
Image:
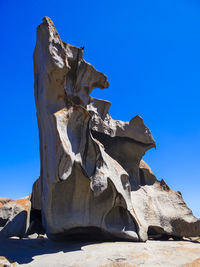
150 51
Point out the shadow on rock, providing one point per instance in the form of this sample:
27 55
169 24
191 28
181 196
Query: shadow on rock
15 227
23 250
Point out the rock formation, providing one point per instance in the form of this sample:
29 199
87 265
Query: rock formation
93 182
14 217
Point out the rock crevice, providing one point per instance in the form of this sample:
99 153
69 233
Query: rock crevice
92 173
93 182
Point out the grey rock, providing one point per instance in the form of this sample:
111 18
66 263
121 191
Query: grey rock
162 209
36 206
4 262
32 236
14 218
36 195
44 253
93 183
4 200
35 226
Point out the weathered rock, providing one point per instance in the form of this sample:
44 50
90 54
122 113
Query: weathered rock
93 182
162 209
4 262
36 195
35 217
44 253
4 200
35 226
14 218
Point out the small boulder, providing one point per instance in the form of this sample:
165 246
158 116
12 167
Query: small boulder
4 262
14 218
4 200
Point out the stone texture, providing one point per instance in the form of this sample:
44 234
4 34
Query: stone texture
14 218
36 195
4 262
4 200
36 206
162 209
44 253
93 182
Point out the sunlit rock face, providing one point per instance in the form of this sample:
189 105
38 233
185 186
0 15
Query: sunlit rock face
93 183
14 217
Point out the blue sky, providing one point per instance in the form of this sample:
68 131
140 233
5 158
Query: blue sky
150 51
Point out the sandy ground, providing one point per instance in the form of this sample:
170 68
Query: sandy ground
45 253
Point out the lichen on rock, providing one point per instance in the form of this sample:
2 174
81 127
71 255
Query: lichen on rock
93 182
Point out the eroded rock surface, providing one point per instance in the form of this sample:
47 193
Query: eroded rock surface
4 262
43 253
93 183
14 218
4 200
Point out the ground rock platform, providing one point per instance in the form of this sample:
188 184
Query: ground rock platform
42 252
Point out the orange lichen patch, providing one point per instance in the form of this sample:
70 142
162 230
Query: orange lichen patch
189 250
86 114
195 263
142 255
6 262
4 200
118 264
65 145
25 203
81 109
60 96
89 257
166 252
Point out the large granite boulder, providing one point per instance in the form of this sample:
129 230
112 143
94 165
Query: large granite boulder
14 218
93 183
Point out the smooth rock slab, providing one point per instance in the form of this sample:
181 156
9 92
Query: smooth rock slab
42 253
